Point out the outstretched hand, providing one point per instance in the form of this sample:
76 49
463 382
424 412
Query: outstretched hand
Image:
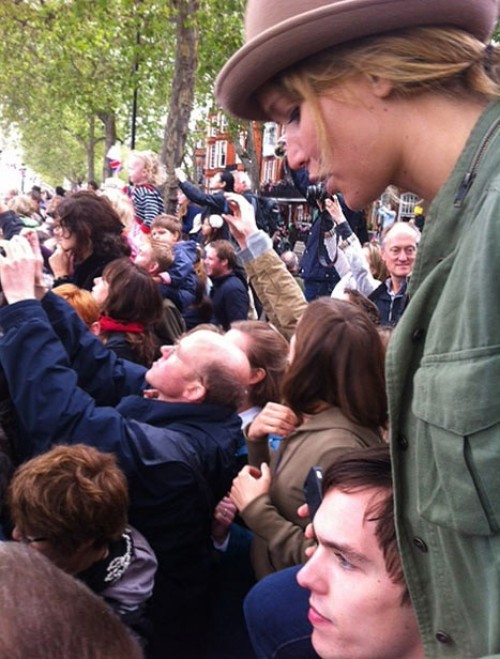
242 223
19 269
181 176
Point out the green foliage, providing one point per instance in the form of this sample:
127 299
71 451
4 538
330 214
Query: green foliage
66 64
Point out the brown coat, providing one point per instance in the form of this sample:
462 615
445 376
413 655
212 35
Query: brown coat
279 540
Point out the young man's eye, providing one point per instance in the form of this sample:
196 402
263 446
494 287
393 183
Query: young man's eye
343 562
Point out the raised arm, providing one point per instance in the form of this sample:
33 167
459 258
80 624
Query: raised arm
43 387
281 297
352 249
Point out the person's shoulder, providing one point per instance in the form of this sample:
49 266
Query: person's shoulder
186 247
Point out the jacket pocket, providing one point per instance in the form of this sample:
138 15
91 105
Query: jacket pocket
456 403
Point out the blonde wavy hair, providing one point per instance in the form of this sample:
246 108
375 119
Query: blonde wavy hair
417 60
156 173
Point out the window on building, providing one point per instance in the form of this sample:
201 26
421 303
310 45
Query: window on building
217 156
269 171
223 123
269 138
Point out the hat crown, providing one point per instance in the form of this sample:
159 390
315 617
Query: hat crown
281 33
261 15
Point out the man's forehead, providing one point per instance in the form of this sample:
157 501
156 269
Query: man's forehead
201 338
342 519
402 235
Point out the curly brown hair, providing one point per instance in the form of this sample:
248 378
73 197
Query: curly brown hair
70 495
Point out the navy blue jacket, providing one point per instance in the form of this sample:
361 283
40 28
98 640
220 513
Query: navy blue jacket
179 458
229 300
182 288
391 307
216 204
315 264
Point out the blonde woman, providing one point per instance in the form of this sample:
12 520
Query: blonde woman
405 92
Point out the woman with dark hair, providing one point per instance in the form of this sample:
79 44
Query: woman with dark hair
89 235
267 353
213 228
337 365
131 305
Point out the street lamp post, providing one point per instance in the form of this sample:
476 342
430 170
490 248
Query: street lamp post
22 171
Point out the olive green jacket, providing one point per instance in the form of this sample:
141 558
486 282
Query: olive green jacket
443 378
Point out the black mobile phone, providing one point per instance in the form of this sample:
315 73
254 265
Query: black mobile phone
313 490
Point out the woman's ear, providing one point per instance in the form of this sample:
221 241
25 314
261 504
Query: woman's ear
257 375
381 87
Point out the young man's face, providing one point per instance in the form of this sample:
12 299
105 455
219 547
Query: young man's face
214 266
355 608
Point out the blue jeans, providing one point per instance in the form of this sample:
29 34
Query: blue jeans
276 616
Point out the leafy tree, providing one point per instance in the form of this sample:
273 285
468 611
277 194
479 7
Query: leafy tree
72 70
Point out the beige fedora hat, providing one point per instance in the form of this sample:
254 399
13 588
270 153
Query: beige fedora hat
279 33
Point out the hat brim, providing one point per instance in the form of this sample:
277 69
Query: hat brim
295 39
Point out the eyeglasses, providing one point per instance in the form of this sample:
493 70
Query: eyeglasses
57 227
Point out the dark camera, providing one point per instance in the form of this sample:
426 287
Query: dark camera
317 193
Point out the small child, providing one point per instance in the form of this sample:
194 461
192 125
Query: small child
156 257
179 281
145 173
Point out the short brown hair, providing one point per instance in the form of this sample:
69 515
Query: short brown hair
369 307
267 349
225 252
339 360
70 495
368 468
169 222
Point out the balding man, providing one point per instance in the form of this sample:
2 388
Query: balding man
399 249
176 444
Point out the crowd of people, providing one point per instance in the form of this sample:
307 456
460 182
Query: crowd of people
212 448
